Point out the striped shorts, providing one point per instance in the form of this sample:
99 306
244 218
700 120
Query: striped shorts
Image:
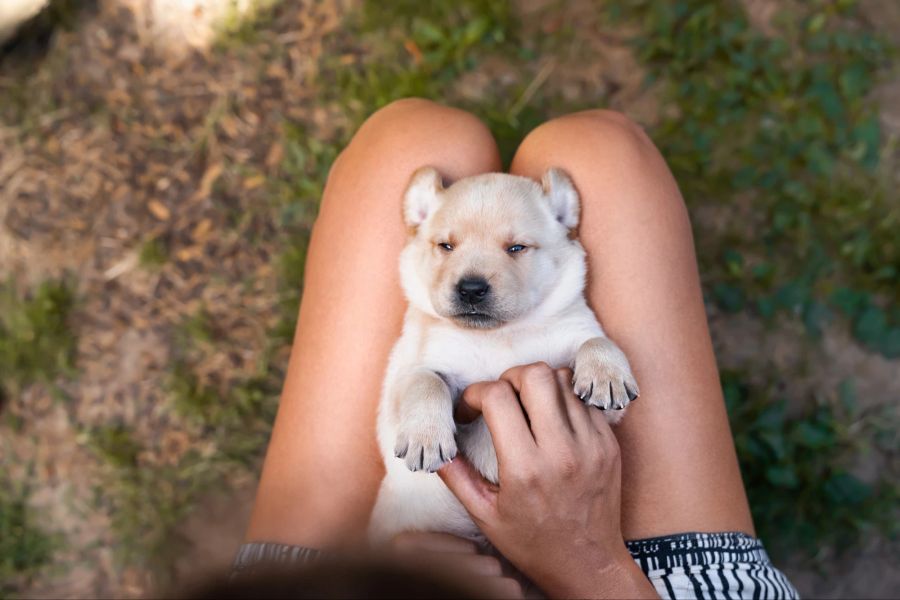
687 565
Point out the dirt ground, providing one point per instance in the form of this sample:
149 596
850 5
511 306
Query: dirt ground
133 147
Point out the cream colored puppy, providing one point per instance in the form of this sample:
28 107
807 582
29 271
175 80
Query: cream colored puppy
494 278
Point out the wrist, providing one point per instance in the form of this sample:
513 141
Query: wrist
607 575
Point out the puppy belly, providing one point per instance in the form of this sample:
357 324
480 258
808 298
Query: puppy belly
417 501
476 444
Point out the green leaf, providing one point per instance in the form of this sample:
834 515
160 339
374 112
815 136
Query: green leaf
475 30
782 476
828 99
871 326
815 316
854 80
868 133
729 297
849 301
814 436
890 343
845 489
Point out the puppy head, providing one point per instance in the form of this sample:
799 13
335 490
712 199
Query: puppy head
491 249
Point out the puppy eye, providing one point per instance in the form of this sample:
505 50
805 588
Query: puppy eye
445 247
516 248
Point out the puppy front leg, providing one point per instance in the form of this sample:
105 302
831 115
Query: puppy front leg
603 377
425 428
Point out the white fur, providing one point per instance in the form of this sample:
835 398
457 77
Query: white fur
15 12
436 357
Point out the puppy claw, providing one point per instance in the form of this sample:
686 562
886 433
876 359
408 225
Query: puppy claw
585 395
426 448
632 395
401 452
606 385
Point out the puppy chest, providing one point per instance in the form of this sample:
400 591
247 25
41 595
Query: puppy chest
464 360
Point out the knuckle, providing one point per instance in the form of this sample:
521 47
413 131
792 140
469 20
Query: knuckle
538 372
596 454
565 373
568 463
527 474
495 392
612 452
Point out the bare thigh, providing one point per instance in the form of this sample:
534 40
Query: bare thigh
323 469
679 469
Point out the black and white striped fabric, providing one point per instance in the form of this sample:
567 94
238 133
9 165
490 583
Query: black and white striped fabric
687 565
710 565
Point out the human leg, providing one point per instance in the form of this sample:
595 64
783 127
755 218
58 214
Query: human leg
323 468
679 470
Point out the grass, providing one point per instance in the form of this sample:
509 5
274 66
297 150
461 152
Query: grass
36 343
25 547
786 122
147 502
154 253
799 469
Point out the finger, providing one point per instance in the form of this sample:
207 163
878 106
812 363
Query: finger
469 407
498 404
540 394
598 419
433 542
577 411
477 564
475 493
503 587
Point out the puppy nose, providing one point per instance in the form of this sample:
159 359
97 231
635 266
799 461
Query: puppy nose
472 290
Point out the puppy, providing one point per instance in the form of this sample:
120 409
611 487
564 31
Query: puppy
494 278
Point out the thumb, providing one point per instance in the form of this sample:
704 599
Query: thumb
476 494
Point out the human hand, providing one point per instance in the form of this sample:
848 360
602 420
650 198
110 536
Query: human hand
556 513
450 553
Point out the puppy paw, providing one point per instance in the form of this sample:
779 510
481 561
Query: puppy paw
425 446
603 377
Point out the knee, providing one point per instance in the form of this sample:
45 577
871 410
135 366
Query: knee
592 135
419 132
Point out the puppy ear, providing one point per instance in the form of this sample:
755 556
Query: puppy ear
423 194
563 198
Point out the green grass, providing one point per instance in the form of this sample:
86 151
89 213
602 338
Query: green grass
25 547
799 468
153 254
146 502
36 342
415 49
786 122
